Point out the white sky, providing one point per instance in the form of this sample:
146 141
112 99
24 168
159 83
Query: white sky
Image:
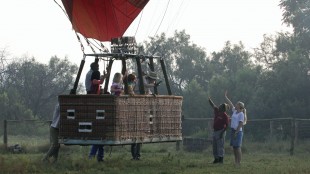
39 28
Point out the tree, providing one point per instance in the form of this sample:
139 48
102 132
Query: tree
284 91
296 13
184 61
3 64
38 84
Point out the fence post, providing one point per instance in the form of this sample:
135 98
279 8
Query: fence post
177 145
5 134
296 131
271 128
292 136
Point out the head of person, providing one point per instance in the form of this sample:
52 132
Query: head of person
152 76
239 106
131 78
94 66
223 107
117 77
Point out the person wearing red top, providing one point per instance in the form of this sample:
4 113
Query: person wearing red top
220 123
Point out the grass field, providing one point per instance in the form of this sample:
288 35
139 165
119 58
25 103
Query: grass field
159 159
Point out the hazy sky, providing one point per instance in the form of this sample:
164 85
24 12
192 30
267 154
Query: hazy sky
40 29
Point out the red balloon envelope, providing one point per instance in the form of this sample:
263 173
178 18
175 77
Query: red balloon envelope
102 19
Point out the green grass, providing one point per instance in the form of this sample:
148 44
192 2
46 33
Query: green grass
160 159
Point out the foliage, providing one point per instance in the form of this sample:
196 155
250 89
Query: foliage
296 14
11 108
37 85
184 61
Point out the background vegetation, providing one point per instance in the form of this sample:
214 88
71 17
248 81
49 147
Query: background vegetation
272 80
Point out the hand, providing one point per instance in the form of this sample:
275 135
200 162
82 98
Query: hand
235 134
157 84
102 77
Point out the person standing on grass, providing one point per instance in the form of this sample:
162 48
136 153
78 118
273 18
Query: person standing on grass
54 132
220 123
238 120
92 83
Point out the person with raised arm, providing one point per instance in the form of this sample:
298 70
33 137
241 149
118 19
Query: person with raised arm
238 120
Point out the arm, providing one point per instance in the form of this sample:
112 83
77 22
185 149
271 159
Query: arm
114 88
245 117
226 125
146 84
211 103
228 101
96 82
239 126
96 78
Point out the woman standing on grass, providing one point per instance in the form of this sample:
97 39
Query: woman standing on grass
238 119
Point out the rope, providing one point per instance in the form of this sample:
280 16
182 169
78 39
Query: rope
174 19
139 23
88 43
62 9
162 18
81 44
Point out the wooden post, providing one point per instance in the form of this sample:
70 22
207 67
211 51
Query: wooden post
5 134
163 67
106 84
49 130
210 129
125 81
151 65
178 143
73 90
292 136
296 131
141 85
271 128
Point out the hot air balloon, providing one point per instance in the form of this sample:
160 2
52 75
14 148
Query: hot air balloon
106 119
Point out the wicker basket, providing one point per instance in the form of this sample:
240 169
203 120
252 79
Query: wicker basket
112 120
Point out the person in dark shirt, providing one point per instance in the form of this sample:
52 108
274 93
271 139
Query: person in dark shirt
220 123
92 84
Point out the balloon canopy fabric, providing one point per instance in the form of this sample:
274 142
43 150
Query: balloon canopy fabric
102 19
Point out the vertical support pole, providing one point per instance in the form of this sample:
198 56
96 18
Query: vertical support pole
153 69
49 129
271 128
124 69
296 131
177 145
210 129
5 134
141 85
106 84
179 142
292 136
73 90
163 67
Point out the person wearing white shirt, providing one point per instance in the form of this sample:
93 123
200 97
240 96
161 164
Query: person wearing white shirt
54 132
238 120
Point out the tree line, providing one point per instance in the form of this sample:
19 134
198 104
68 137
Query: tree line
272 80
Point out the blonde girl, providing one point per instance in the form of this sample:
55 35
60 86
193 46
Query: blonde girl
238 120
